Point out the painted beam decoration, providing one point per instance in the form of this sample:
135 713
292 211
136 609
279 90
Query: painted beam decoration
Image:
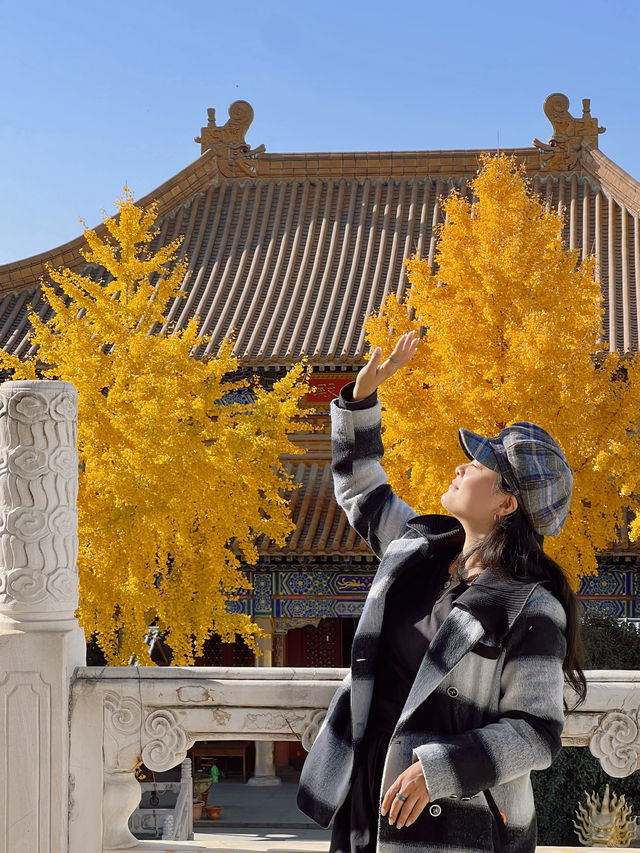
298 593
293 596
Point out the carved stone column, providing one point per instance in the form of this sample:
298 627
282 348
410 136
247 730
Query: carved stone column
265 769
40 640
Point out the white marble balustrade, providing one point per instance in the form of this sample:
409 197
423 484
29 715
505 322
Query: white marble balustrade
120 714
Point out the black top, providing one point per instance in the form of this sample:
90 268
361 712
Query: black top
412 615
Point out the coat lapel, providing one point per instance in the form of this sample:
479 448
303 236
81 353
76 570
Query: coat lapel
485 611
398 556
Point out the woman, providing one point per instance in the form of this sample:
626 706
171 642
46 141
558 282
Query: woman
455 691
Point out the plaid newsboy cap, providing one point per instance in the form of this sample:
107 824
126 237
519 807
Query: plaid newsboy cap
533 467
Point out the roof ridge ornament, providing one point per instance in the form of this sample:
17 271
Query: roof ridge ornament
570 135
233 157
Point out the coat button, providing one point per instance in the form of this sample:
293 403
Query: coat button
452 691
434 810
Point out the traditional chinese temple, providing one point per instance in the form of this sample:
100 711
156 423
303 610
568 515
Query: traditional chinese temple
292 251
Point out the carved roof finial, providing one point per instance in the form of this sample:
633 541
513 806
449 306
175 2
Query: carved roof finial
233 155
570 135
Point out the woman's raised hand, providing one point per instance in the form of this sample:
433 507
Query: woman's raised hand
374 373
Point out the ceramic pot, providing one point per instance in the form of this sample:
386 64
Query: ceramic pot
213 812
197 809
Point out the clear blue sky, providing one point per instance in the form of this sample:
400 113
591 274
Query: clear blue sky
99 95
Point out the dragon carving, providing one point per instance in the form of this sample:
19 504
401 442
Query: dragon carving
570 135
233 157
607 823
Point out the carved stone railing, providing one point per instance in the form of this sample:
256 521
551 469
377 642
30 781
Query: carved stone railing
122 714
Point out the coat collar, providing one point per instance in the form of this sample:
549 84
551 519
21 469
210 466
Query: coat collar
441 531
495 599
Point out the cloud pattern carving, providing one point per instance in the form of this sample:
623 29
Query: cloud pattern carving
38 493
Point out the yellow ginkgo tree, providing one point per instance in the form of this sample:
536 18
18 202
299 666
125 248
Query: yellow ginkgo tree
512 325
179 465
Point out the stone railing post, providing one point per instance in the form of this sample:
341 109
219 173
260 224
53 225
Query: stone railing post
40 640
186 777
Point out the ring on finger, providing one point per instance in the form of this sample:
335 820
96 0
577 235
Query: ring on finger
401 797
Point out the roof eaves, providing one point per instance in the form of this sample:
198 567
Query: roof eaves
615 182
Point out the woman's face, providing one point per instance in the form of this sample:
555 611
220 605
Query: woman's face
472 495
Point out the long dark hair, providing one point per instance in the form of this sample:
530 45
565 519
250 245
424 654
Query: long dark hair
514 546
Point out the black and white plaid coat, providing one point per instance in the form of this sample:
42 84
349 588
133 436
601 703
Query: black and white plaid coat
486 706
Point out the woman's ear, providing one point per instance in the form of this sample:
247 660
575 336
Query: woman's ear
510 503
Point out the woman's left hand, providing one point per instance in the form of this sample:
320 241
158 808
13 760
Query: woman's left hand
412 785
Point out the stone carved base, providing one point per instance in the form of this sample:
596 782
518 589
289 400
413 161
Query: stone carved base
121 795
35 672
